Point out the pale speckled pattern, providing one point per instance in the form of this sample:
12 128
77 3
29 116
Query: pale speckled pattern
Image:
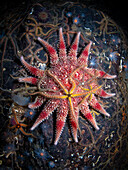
68 85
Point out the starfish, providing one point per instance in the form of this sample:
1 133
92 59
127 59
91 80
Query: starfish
67 86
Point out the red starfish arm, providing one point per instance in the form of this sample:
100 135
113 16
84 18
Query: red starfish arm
33 70
74 127
73 51
95 104
48 109
86 112
52 52
83 59
62 113
31 80
62 48
100 92
99 73
104 94
37 103
73 115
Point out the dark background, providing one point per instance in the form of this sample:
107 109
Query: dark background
116 9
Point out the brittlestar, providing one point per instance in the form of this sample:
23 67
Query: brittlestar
18 125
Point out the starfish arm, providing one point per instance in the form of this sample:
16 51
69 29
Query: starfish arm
95 104
62 48
52 52
74 127
14 112
33 70
62 113
23 125
73 50
73 115
37 103
104 94
31 80
48 109
25 133
12 127
99 73
87 114
100 92
83 59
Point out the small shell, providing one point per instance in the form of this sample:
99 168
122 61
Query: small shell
20 100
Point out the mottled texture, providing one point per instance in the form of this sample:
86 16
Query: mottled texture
69 85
